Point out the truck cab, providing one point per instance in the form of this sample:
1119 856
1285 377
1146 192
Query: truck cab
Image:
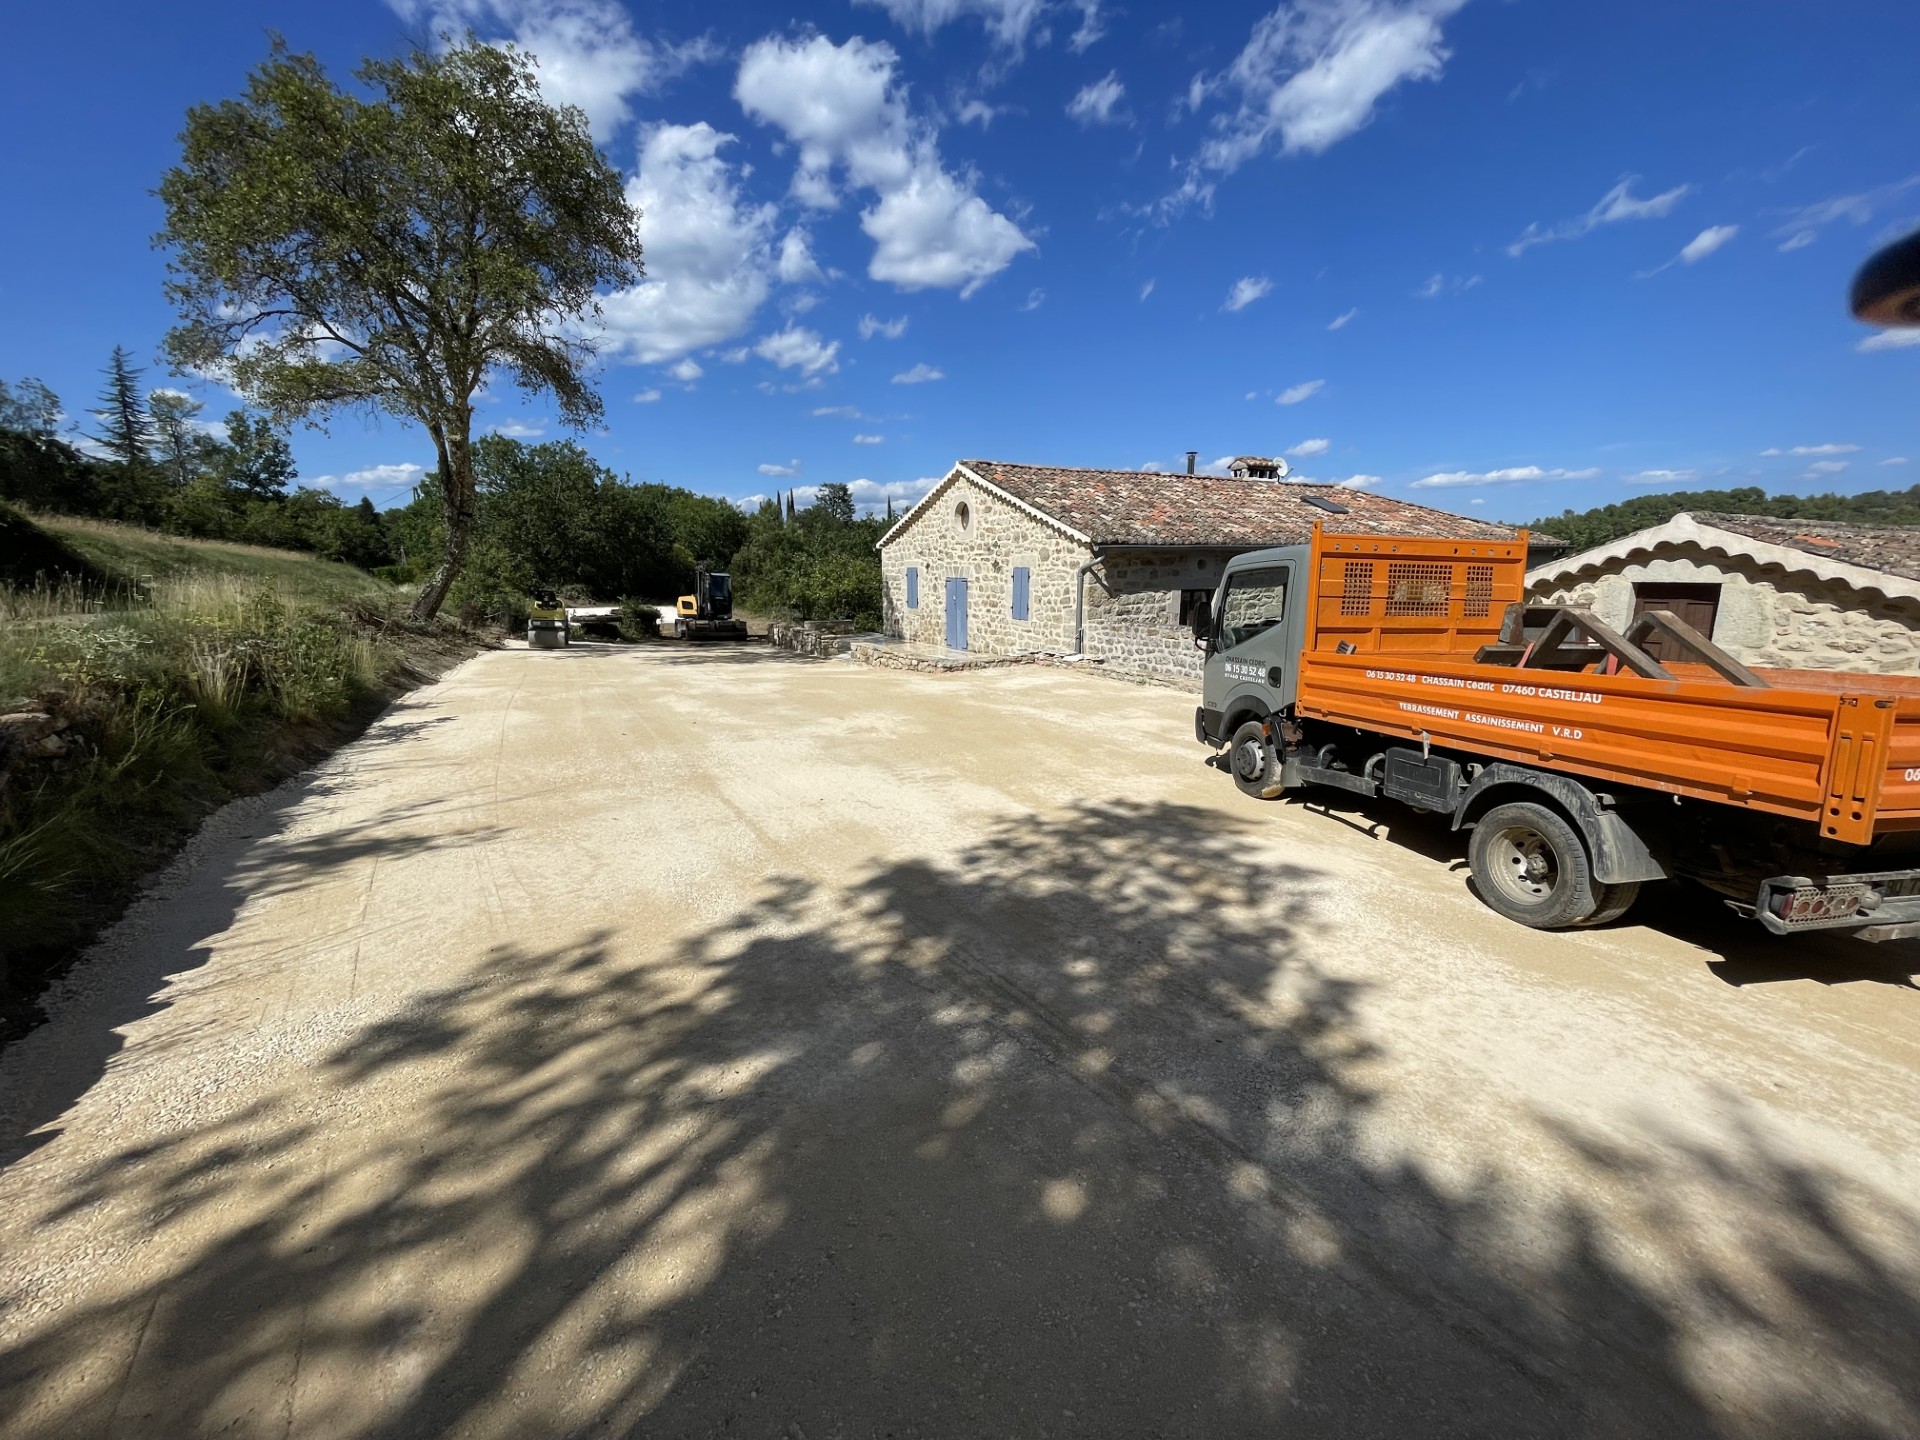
1253 631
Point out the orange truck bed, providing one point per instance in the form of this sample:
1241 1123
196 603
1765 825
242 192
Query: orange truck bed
1391 643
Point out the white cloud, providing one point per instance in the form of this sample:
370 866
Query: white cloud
842 107
374 477
1147 289
796 265
517 430
1036 297
1894 460
587 51
1516 475
1804 450
1826 467
885 329
1889 340
708 253
1246 290
1696 249
1438 285
1706 242
1616 205
1305 390
647 397
1803 227
1009 22
1357 482
1340 322
844 411
1097 103
1311 74
1661 477
978 112
797 347
686 371
1308 448
868 439
1092 28
871 496
792 467
919 375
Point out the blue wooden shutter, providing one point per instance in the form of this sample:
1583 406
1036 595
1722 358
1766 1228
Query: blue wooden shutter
1022 584
913 587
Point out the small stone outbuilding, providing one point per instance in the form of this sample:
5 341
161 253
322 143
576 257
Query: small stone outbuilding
1012 559
1793 594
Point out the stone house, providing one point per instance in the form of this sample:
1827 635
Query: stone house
1792 594
1032 559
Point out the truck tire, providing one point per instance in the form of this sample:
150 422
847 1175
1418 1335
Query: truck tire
1250 758
1615 901
1531 866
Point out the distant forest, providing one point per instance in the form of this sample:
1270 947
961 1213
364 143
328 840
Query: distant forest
1584 529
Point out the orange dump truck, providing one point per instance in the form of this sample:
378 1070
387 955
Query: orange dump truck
1586 762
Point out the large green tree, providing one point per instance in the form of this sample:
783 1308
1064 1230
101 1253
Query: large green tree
389 250
256 461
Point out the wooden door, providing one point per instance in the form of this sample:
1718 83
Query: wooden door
1697 605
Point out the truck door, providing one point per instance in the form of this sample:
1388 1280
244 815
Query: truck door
1253 657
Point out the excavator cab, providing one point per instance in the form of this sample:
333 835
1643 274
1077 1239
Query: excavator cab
707 614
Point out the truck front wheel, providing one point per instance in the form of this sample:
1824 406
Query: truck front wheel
1531 866
1250 758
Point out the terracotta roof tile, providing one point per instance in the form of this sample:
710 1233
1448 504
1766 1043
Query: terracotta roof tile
1129 507
1890 549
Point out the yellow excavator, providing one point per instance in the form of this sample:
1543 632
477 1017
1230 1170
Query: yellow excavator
707 614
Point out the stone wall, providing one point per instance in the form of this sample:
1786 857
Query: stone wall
1767 616
996 538
1132 597
1133 609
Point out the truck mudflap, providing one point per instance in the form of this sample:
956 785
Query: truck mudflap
1788 904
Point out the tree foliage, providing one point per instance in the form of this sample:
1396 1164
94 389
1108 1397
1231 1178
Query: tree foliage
1582 530
126 429
821 565
392 251
551 516
201 485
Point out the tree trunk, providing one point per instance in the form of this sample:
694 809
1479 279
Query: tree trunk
456 489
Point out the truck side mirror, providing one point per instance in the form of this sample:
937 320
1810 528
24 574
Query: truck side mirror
1203 624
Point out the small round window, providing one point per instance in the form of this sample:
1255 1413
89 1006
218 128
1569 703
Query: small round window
963 516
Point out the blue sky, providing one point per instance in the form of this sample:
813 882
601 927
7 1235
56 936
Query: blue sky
1500 257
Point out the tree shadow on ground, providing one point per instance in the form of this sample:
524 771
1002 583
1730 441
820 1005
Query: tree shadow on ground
1063 1136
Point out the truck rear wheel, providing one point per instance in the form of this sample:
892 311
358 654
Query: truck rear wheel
1615 901
1250 758
1532 867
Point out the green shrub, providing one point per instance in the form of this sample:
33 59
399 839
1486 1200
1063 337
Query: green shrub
638 621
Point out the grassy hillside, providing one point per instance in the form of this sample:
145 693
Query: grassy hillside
128 553
165 677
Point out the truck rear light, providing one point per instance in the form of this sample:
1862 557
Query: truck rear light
1814 904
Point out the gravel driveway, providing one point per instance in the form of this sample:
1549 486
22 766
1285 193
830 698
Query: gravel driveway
677 1042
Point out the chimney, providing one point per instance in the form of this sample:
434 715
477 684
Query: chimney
1192 455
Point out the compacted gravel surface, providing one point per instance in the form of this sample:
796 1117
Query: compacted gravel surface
667 1041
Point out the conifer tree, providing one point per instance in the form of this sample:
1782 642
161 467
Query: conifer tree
126 430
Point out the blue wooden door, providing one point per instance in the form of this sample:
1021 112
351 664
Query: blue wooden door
956 614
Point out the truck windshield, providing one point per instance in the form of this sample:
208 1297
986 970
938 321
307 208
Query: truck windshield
719 588
1256 601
